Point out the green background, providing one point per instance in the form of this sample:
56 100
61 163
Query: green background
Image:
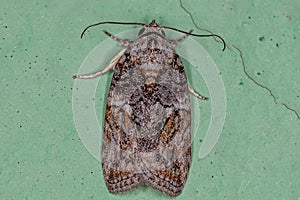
257 156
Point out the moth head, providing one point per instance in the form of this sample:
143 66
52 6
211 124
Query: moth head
153 27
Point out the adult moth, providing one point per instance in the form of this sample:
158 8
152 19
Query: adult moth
147 128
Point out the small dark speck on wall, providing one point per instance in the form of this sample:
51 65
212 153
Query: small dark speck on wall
262 38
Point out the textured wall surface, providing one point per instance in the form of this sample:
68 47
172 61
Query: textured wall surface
257 155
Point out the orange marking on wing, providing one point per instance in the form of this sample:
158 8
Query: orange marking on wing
125 147
164 138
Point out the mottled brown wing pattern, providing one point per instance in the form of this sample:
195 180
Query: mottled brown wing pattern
166 168
118 155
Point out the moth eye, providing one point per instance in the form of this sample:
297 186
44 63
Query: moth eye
141 31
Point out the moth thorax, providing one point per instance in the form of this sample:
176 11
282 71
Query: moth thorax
151 70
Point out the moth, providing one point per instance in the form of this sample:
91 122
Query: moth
147 125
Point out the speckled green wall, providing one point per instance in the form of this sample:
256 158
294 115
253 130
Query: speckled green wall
257 155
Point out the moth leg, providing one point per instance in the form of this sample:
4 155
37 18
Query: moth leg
123 42
199 96
175 42
112 63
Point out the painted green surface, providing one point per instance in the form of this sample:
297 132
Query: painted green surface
257 156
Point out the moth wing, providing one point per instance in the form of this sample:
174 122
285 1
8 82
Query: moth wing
119 162
166 155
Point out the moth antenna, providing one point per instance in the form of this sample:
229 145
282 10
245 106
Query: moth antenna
100 23
198 35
